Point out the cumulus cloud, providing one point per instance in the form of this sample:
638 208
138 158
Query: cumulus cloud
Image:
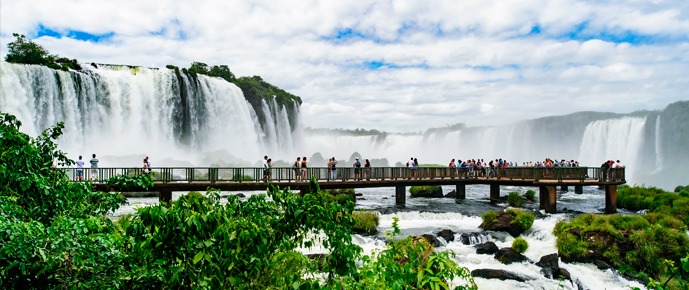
393 65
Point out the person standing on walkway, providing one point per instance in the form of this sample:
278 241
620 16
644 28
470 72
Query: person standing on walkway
304 167
333 169
265 168
94 167
367 170
80 169
357 169
296 167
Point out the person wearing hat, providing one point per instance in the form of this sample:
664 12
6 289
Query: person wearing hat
357 168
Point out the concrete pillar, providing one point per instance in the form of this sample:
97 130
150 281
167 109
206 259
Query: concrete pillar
461 191
400 195
549 195
494 193
541 197
564 188
579 189
165 196
611 199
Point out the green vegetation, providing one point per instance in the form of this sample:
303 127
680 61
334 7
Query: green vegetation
637 245
25 51
365 222
656 200
522 218
56 234
530 195
489 217
515 200
520 245
426 191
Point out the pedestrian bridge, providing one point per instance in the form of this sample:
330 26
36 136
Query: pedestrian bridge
547 179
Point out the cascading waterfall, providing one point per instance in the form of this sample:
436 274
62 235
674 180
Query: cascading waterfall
658 148
613 139
122 113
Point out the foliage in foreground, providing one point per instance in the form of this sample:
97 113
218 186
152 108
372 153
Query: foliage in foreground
55 234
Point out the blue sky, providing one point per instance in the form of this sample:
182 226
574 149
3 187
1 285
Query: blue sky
398 65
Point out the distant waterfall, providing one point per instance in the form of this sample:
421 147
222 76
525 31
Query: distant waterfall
122 113
613 139
658 147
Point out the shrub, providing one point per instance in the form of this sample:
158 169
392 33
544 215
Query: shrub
489 217
530 195
365 222
520 245
426 191
522 218
514 199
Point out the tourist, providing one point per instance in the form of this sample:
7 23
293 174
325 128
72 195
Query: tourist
453 168
367 170
410 166
416 168
265 168
328 165
80 169
357 168
94 167
303 168
147 165
297 169
269 165
333 169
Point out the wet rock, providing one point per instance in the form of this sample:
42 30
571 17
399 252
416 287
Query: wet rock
487 248
240 195
563 274
360 198
549 265
433 240
497 274
447 235
504 224
602 265
509 256
358 194
473 238
452 194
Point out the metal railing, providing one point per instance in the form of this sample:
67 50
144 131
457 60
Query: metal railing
287 174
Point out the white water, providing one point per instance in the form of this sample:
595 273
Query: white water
123 113
615 139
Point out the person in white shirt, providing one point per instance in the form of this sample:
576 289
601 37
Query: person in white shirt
80 169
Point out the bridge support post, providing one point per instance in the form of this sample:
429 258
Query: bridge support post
461 192
494 193
610 198
400 195
548 194
579 189
564 188
165 196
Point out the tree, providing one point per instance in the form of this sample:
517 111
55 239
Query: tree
23 50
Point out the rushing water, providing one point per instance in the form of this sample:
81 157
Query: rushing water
429 215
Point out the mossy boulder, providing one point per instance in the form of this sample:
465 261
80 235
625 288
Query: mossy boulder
365 222
426 191
512 221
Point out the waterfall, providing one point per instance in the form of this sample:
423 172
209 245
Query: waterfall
658 147
122 113
613 139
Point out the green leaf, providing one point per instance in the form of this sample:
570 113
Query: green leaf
197 257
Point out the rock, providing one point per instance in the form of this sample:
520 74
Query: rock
549 265
497 274
509 256
563 274
487 248
366 232
473 238
240 195
433 240
316 256
432 191
602 265
504 224
360 198
452 194
447 235
358 194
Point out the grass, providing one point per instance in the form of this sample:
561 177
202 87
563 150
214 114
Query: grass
520 245
489 217
523 218
515 200
365 221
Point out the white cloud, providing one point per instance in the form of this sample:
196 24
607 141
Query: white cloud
444 62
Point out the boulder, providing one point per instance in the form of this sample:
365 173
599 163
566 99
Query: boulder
487 248
452 194
563 274
432 191
473 238
433 240
358 194
549 265
509 256
497 274
602 265
504 224
240 195
447 235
